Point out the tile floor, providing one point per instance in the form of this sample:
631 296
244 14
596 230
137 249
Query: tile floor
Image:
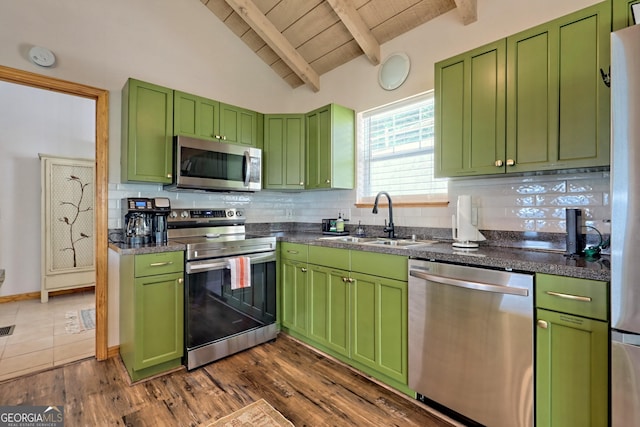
40 339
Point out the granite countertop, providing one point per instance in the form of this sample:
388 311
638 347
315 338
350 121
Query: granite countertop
517 259
493 256
124 249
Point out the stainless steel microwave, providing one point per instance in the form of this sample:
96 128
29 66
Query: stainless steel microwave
204 165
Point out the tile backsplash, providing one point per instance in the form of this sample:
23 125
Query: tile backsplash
534 203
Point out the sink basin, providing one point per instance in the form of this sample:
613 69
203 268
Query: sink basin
401 243
349 239
379 241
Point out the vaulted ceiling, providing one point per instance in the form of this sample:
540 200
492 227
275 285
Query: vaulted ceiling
303 39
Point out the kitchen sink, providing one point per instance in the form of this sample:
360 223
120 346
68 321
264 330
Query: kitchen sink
379 241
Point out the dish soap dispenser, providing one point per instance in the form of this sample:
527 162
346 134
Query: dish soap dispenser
340 223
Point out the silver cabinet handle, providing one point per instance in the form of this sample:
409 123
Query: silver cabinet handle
160 264
247 168
569 296
478 286
543 324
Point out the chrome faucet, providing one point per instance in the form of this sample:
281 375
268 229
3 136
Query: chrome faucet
387 228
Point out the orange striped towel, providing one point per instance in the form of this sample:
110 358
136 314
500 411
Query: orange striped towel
240 272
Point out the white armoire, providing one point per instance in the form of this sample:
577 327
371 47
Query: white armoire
67 224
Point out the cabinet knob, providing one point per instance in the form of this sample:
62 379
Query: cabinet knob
328 181
169 175
351 280
511 162
224 138
301 183
543 324
499 163
304 270
345 279
180 280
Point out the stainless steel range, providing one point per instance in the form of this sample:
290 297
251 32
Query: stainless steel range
220 318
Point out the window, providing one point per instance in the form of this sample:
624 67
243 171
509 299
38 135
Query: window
396 152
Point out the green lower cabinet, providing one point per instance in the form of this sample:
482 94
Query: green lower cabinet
379 325
151 313
293 290
571 370
329 308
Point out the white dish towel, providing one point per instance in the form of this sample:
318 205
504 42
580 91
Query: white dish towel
240 272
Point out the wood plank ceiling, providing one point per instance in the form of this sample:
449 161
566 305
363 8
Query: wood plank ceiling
303 39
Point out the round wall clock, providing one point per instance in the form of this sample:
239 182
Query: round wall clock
42 56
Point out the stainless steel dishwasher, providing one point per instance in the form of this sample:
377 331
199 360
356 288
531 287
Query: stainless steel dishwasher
471 341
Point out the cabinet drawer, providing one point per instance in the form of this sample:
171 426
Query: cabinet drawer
162 263
294 251
330 257
381 265
581 297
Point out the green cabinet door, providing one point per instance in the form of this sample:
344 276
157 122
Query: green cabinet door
196 116
571 370
558 104
293 282
283 152
330 148
622 15
379 325
147 133
470 112
159 319
239 126
329 308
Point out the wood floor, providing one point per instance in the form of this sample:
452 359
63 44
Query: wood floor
307 388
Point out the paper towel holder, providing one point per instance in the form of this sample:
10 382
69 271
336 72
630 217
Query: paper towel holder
463 227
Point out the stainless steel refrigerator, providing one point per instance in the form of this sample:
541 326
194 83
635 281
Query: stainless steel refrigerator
625 227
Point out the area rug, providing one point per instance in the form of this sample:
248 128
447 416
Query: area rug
258 414
80 320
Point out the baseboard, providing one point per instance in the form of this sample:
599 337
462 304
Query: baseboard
36 295
113 351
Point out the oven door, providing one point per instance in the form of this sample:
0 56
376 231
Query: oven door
214 311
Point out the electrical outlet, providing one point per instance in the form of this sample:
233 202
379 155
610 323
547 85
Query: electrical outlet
289 213
1 276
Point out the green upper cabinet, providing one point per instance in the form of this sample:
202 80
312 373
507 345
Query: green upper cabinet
622 16
147 133
204 118
470 112
283 152
240 126
535 101
196 116
330 146
557 102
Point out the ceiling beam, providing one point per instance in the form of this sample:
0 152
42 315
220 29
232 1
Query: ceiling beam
276 41
358 29
468 10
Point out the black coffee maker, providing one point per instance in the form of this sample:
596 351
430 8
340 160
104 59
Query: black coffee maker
145 220
161 211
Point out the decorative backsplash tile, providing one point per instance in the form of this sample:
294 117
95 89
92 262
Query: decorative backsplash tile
520 204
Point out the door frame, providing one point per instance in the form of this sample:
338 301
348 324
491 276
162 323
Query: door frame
101 97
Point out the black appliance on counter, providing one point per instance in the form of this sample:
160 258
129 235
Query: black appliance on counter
145 220
221 320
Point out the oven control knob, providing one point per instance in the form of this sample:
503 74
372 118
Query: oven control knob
239 213
229 214
173 214
184 214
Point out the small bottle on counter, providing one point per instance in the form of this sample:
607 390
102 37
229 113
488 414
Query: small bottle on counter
340 223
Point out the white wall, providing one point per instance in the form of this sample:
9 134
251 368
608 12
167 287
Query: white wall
33 121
